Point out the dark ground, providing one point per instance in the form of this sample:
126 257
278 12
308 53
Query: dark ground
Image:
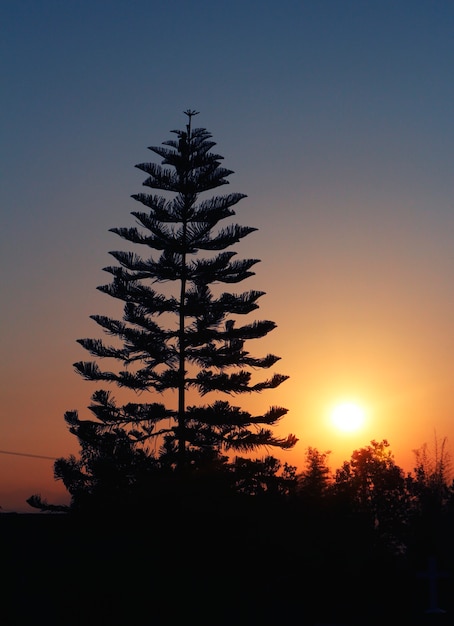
218 568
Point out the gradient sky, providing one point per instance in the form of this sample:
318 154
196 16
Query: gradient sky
337 119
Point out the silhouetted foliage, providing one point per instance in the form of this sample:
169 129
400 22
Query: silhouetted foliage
188 337
364 525
266 476
374 487
314 481
37 502
431 475
432 511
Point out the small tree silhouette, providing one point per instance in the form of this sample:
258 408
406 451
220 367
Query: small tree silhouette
432 474
186 337
314 482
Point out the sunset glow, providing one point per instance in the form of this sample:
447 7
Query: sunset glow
336 121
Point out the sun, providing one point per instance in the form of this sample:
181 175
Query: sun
348 417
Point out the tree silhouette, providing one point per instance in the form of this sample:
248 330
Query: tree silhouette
314 481
263 476
375 488
186 338
431 475
431 492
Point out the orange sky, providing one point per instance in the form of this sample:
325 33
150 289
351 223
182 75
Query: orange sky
337 120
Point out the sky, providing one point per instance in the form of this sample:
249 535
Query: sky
336 117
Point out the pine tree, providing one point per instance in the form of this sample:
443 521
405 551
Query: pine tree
186 338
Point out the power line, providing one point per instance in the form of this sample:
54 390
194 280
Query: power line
33 456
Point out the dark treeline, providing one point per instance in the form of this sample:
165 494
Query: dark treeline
349 547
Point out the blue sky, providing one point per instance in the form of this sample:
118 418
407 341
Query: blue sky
336 117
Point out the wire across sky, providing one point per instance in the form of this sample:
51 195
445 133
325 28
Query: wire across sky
33 456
